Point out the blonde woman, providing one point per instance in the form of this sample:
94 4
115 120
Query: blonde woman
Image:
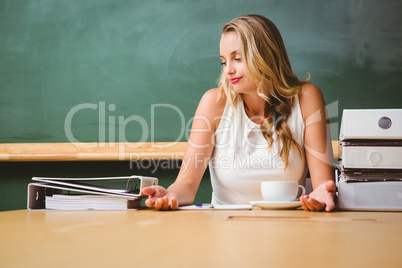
261 124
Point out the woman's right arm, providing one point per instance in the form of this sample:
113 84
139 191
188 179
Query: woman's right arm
198 152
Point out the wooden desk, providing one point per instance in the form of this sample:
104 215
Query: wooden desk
148 238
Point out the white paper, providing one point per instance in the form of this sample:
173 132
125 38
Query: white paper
86 202
223 207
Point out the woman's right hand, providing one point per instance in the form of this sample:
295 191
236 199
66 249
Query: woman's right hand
160 198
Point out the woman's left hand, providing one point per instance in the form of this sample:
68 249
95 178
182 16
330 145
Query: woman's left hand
321 198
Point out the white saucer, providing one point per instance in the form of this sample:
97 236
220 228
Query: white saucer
276 205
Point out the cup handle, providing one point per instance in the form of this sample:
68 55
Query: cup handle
303 191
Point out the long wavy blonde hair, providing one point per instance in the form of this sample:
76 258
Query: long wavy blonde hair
267 64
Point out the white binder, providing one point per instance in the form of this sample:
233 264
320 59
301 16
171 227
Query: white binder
372 157
370 196
371 124
126 194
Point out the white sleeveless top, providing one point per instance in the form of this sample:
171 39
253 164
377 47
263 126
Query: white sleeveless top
241 158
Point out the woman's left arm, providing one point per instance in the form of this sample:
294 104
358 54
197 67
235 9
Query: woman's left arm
318 150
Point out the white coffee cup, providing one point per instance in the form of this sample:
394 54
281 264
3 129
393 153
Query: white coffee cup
281 191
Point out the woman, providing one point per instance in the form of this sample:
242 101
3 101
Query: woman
262 123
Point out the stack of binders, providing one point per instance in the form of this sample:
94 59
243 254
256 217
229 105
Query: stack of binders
371 163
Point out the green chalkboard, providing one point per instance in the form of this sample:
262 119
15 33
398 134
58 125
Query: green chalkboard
121 70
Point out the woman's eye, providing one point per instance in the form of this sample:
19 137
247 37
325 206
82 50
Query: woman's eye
238 59
223 63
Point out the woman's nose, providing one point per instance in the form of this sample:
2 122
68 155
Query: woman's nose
229 68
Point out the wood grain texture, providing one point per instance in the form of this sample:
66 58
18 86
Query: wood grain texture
101 151
91 151
207 238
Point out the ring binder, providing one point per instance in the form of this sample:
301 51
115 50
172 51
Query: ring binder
46 190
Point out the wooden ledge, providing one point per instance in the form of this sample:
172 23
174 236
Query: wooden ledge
101 151
92 151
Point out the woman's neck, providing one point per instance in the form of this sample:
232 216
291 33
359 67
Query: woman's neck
254 107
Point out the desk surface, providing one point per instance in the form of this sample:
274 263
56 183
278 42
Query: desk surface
253 238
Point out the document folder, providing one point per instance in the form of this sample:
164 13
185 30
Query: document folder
82 193
370 196
367 124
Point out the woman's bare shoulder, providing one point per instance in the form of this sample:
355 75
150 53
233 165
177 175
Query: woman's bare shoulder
311 100
310 91
215 95
213 100
212 105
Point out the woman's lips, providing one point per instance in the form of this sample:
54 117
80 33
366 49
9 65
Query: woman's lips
234 80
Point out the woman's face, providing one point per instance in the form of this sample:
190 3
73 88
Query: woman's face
234 67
